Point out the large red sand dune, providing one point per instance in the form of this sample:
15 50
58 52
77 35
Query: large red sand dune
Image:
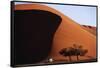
68 33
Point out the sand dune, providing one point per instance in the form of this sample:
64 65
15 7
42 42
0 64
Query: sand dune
68 33
91 29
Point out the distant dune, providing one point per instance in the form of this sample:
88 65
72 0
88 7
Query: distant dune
68 33
91 29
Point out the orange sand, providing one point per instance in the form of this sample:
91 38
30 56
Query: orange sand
68 33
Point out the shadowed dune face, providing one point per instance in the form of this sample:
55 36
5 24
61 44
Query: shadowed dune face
67 34
34 31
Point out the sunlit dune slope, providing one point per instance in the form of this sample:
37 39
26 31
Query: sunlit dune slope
68 33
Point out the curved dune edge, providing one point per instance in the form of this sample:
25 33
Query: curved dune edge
68 33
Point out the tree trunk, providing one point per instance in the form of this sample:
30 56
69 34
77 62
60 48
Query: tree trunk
70 58
77 57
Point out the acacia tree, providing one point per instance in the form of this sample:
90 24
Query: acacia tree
67 52
79 51
63 52
73 51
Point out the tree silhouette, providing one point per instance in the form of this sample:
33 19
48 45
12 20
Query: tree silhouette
67 52
79 51
73 51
